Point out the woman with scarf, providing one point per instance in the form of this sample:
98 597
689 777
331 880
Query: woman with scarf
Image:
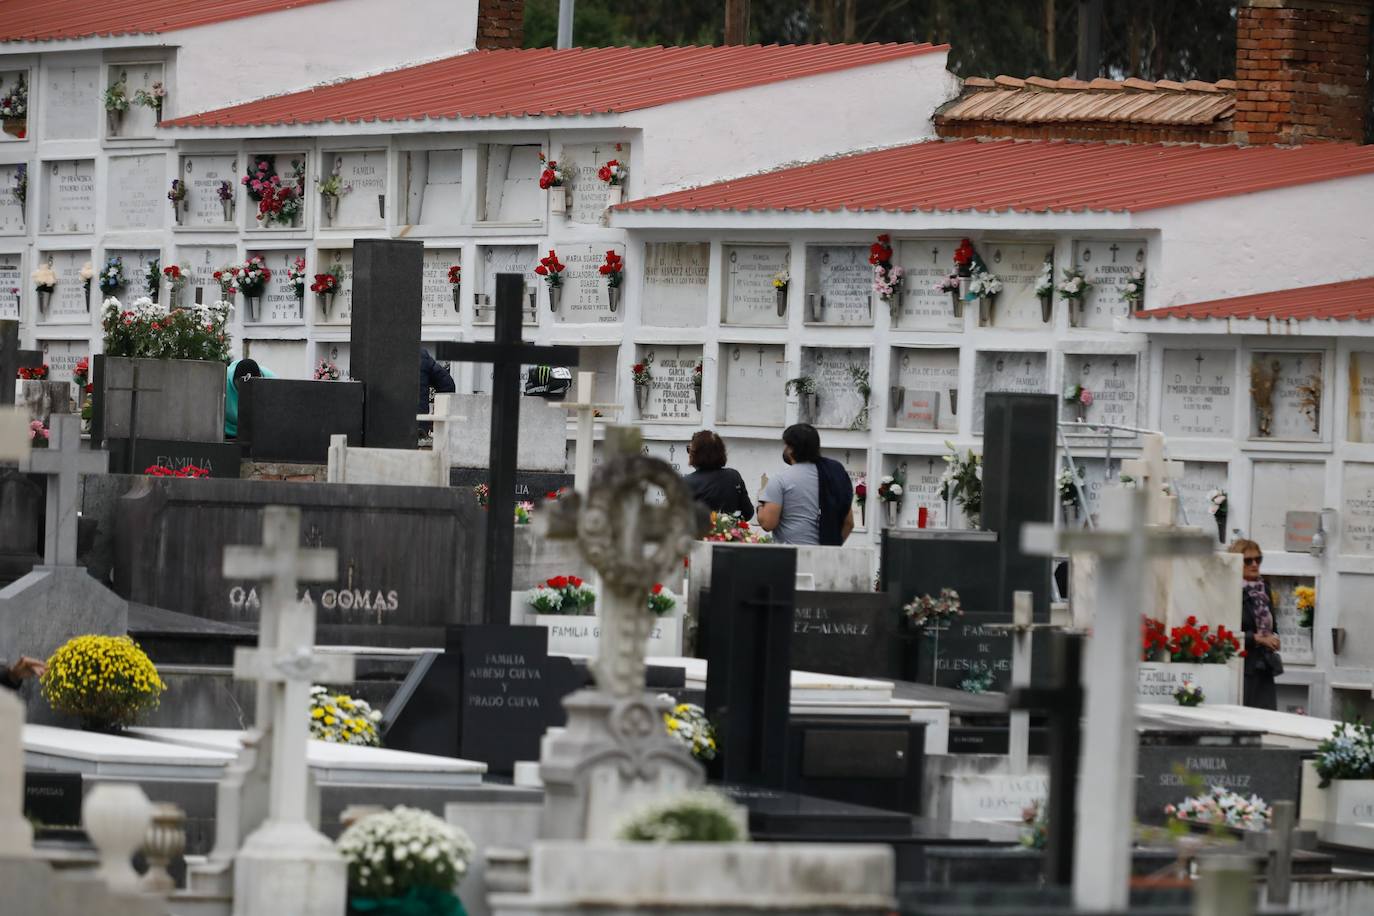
1262 660
240 370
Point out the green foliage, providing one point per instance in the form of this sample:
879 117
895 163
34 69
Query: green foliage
694 817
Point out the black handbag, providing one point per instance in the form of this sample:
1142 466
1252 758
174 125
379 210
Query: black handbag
1273 663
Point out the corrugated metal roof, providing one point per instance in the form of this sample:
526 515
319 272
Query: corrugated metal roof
545 81
1035 100
49 20
1345 301
1029 176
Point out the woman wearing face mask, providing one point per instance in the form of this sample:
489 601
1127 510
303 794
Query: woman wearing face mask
239 371
811 501
1262 660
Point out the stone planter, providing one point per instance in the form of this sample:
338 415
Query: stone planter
558 199
555 298
228 207
891 509
1349 801
1221 684
178 399
331 207
1047 309
613 297
641 397
781 295
581 635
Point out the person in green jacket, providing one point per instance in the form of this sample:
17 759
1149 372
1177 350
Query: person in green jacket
239 371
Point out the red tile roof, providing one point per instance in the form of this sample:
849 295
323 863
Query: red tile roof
545 81
1035 100
1344 301
1028 176
49 20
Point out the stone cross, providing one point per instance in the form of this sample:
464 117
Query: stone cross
14 434
507 354
632 545
12 359
1153 473
1107 781
286 865
134 390
64 461
586 409
16 836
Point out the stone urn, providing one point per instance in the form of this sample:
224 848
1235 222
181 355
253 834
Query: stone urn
781 294
641 397
556 298
613 297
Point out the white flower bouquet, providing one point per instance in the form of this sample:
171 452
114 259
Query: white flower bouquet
1074 286
340 719
984 284
1044 284
1222 807
405 861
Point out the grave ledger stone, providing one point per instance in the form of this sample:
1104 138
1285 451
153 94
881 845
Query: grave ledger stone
507 354
406 554
384 336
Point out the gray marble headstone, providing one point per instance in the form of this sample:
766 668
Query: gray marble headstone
543 434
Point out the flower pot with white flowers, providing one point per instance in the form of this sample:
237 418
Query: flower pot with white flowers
984 287
44 283
891 489
1044 290
251 278
1073 288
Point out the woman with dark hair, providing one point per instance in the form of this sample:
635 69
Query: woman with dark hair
1262 660
719 488
811 501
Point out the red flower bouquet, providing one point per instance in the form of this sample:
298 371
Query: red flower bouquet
455 274
1196 643
551 269
613 173
963 258
613 269
34 374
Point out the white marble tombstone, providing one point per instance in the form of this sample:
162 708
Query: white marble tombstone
279 302
1107 264
924 391
135 265
841 406
1113 381
923 473
287 358
285 164
1297 641
139 120
1193 488
510 188
339 260
1360 406
753 458
136 193
13 218
69 196
437 304
585 293
507 259
12 284
1199 397
589 193
750 298
433 187
203 175
675 281
673 451
1299 382
70 100
1018 371
69 303
838 285
62 357
203 260
672 399
924 308
1277 488
603 363
1018 265
1357 510
364 175
751 384
336 351
543 440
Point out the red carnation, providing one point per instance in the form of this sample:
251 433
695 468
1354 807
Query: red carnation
558 582
657 589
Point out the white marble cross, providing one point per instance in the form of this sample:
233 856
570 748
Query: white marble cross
586 409
14 434
64 461
286 865
1107 774
1153 473
441 419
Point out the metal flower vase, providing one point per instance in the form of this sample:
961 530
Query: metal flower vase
457 298
894 308
985 304
613 296
891 507
781 294
555 298
44 300
228 207
331 207
811 407
1080 411
114 119
964 282
1047 308
1070 509
1221 526
641 397
696 393
254 304
957 298
327 303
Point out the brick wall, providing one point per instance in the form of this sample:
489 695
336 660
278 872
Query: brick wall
1301 70
500 24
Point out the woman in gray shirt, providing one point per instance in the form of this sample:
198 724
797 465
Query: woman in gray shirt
811 500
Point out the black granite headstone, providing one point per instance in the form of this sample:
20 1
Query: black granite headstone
748 651
221 459
384 337
874 762
292 419
529 485
52 799
1168 774
1019 436
967 646
409 557
490 696
855 634
23 498
12 359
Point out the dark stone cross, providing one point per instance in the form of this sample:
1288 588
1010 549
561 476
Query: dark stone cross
1199 360
1114 249
134 391
1062 704
12 359
507 354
